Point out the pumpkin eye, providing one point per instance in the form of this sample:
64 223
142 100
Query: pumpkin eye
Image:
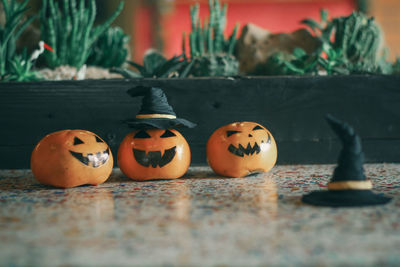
167 133
258 127
77 141
142 134
229 133
98 140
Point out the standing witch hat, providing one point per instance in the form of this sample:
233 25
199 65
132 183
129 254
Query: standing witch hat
348 186
155 111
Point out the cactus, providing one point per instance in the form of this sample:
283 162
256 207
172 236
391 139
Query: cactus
396 66
110 50
15 24
69 30
355 46
358 37
157 66
216 65
211 53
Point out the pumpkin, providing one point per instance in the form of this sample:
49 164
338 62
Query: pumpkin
71 158
241 148
154 154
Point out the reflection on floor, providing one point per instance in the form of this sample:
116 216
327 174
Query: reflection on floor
201 218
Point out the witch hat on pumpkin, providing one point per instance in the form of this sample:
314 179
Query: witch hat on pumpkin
348 186
155 111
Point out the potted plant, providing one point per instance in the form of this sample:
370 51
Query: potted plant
291 107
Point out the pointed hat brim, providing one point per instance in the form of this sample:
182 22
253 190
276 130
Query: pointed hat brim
158 112
159 123
345 198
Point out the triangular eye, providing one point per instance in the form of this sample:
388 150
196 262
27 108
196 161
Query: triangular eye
258 127
229 133
98 140
167 133
142 134
77 141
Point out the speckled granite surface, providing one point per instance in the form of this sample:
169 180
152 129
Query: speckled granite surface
199 220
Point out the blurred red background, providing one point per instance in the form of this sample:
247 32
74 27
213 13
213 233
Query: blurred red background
162 26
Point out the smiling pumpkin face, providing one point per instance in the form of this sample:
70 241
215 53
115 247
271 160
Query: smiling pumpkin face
71 158
241 148
154 154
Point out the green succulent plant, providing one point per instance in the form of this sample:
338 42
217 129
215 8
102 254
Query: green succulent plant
156 65
216 65
358 37
323 29
396 66
69 30
20 69
15 24
110 50
350 45
297 63
211 53
334 62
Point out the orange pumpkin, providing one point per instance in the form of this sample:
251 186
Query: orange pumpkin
71 158
241 148
154 154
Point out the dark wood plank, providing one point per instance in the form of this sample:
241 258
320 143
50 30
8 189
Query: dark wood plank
292 108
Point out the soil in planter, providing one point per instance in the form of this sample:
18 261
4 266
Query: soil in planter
69 73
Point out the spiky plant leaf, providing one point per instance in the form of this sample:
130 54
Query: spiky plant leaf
110 50
152 61
70 31
396 66
127 73
21 69
157 66
15 24
210 52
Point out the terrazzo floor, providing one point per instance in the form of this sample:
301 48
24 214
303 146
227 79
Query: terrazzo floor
201 219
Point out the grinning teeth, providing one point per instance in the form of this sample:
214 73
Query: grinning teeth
154 158
256 149
93 160
154 155
241 151
98 159
235 151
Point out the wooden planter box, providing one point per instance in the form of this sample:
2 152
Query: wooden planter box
292 108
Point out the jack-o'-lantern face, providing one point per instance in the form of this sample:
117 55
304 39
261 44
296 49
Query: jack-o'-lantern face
71 158
90 159
241 148
154 154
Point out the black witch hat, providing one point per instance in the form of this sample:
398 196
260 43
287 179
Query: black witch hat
348 186
155 111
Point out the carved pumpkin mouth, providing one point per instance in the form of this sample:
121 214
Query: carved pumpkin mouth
240 151
154 158
93 160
